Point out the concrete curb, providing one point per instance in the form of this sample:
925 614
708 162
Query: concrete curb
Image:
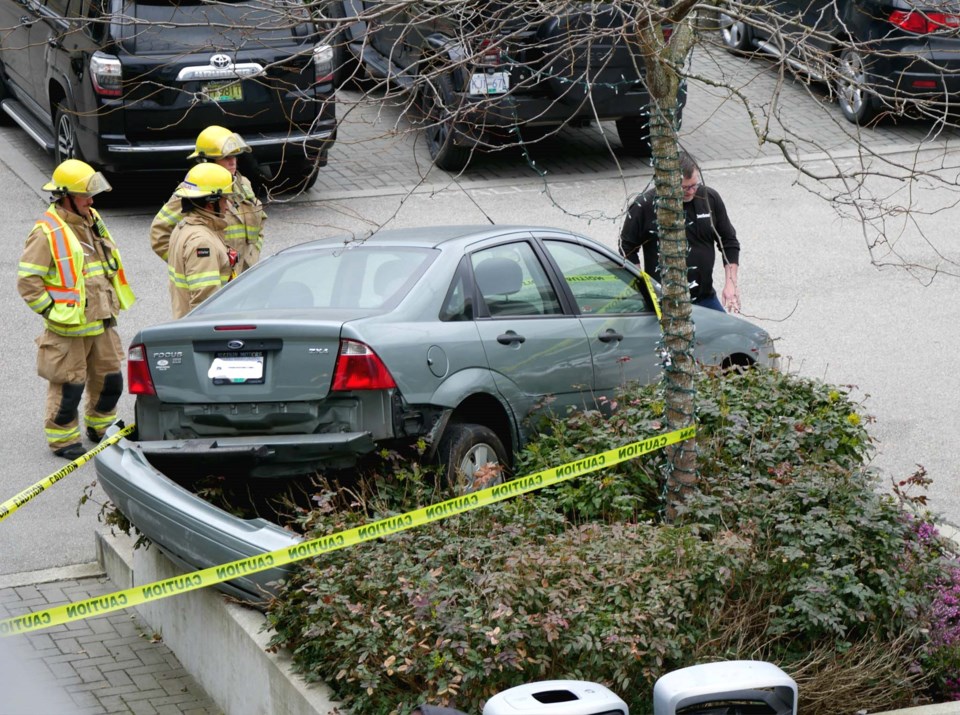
223 645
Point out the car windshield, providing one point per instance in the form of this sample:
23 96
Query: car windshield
362 277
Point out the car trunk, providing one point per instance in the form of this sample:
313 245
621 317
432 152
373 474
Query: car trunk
229 362
248 78
241 396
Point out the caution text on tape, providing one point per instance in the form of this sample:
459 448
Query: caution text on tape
368 532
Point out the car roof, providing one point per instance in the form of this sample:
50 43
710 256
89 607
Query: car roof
425 237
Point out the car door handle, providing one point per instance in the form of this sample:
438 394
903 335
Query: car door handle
27 21
610 335
53 42
510 337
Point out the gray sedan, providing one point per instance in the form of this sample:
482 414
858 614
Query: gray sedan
328 350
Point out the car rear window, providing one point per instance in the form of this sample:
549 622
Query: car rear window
224 26
370 278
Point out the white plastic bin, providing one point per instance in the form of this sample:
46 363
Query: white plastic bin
735 681
556 697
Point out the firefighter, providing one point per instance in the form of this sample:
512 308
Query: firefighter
199 261
246 217
71 274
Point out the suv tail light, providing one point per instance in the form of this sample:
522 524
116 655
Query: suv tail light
488 55
139 381
323 63
359 368
105 73
924 23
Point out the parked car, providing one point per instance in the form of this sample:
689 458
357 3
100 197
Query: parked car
480 73
127 85
325 351
879 55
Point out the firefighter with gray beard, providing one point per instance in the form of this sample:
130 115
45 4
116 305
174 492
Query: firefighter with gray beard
71 274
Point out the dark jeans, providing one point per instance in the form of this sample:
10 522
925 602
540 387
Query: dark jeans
713 303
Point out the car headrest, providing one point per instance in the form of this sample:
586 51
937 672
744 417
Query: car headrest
389 277
499 276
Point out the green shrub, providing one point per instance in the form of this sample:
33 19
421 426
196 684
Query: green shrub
789 553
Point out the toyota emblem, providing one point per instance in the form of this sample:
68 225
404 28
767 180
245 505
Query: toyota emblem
235 344
220 61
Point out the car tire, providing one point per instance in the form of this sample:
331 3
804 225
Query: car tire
435 98
466 447
634 133
735 34
857 103
65 137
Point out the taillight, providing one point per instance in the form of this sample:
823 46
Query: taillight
139 381
105 74
359 368
924 23
323 64
488 55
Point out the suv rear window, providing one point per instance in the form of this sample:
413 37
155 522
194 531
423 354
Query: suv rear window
146 27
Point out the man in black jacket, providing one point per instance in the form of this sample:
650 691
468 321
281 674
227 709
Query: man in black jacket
707 226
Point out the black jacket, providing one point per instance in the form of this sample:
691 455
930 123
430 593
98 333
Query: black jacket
707 226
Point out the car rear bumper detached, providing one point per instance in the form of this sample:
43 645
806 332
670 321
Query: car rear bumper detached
192 532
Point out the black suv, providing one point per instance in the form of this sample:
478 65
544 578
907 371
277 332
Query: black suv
880 56
127 85
482 73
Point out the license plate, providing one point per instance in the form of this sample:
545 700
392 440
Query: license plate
226 91
244 368
489 83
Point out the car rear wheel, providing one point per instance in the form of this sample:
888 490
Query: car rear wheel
857 103
634 133
435 98
66 139
470 454
735 34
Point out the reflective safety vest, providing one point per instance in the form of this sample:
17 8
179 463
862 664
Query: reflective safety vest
118 278
64 280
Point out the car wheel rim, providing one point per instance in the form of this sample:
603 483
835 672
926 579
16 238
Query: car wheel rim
850 83
731 31
434 117
477 457
65 142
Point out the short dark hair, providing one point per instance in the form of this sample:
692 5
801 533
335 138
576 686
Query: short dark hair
189 204
688 165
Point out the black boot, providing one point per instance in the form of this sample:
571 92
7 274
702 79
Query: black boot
93 436
71 451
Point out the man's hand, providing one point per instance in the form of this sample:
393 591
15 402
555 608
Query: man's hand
731 289
731 298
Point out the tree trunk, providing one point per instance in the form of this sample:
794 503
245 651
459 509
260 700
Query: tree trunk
678 330
663 81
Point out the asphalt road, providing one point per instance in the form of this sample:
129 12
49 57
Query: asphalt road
807 273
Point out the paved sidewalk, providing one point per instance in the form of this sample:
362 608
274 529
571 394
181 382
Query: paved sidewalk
100 666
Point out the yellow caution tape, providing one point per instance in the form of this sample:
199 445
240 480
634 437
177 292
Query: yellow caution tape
11 505
157 590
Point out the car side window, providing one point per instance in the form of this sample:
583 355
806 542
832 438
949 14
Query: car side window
458 303
599 285
513 282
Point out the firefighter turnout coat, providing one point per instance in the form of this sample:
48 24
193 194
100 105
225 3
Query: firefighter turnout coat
243 231
198 263
71 273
